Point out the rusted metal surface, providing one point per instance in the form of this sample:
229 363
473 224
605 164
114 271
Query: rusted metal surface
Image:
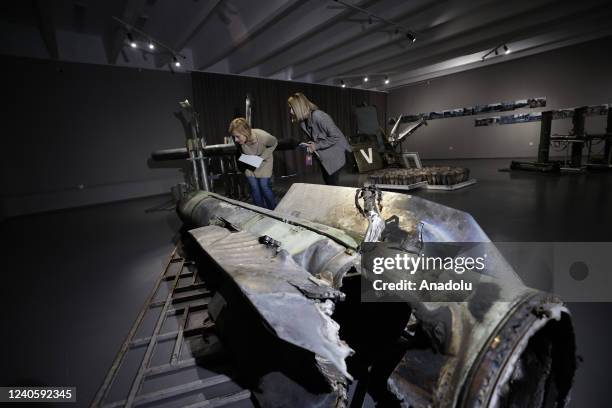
451 187
433 175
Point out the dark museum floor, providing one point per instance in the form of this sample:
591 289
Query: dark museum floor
75 280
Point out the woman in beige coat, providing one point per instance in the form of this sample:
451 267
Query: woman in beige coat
260 143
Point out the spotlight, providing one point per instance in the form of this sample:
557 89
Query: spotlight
386 80
506 49
342 84
365 78
410 37
151 46
131 40
176 62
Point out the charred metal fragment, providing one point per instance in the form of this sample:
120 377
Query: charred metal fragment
433 175
285 270
291 268
438 366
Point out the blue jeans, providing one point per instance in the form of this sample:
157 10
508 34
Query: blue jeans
261 190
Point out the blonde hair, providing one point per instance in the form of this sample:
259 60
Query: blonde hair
301 106
241 126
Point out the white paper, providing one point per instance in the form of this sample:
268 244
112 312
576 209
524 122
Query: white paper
251 160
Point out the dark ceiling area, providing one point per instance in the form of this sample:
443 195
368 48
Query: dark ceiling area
318 41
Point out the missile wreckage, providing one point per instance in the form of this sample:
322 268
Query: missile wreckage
289 303
433 175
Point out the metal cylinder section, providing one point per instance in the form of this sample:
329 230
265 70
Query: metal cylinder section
212 151
529 361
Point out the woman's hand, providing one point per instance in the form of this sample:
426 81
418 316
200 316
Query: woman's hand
311 147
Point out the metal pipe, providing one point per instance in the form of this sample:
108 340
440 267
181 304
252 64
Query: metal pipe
213 150
203 168
194 170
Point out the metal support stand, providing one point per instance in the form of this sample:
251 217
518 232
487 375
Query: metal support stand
194 166
544 147
574 143
177 292
195 144
578 133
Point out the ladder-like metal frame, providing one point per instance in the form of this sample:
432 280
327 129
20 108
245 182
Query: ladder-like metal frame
193 297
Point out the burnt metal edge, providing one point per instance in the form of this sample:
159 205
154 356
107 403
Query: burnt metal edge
528 304
330 232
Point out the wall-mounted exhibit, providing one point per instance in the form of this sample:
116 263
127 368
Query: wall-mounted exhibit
478 109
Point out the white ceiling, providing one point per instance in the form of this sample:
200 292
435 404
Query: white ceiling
318 41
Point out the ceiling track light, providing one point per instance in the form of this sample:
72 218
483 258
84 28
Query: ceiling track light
496 51
373 78
130 38
149 43
411 35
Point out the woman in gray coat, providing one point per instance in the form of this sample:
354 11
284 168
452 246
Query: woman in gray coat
327 141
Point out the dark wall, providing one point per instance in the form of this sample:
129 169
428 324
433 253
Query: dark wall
78 134
573 76
219 98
